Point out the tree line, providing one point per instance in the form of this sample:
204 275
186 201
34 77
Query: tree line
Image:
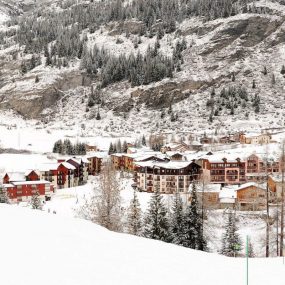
137 69
67 147
181 224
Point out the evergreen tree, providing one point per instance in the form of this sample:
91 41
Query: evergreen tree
193 224
111 149
98 116
48 57
24 67
143 141
125 147
250 249
4 198
156 223
231 243
57 148
135 217
177 221
273 81
36 201
282 70
67 147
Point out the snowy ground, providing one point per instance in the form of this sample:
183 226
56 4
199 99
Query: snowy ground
67 202
49 249
36 137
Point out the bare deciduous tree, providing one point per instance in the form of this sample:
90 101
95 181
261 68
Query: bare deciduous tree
104 207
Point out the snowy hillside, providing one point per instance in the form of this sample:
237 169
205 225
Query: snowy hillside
48 249
241 53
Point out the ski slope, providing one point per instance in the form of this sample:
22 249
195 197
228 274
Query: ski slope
42 248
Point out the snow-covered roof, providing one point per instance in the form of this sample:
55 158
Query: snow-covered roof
54 166
277 177
30 182
76 160
167 165
207 188
196 143
219 157
250 184
171 153
31 170
8 185
144 156
98 154
118 154
228 192
16 176
67 165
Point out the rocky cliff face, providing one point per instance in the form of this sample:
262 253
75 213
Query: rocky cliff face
222 53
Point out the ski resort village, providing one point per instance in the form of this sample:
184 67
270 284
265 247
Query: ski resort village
142 142
236 182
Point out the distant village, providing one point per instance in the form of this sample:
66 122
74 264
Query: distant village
243 177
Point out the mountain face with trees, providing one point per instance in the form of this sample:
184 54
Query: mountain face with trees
216 58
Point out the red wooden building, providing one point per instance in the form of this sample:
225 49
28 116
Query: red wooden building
23 191
29 175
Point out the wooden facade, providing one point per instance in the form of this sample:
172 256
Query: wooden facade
251 197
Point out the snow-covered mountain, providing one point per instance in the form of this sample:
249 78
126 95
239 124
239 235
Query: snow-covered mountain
228 76
46 249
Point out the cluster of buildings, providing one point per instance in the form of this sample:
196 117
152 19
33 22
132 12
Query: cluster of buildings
63 173
239 177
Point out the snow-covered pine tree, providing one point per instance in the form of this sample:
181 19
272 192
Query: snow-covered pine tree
57 148
119 146
135 216
125 147
156 225
4 198
231 242
177 220
36 202
143 141
193 234
250 249
98 116
111 148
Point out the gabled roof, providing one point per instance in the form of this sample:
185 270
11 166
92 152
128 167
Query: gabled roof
16 176
31 170
250 184
67 165
76 161
215 188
